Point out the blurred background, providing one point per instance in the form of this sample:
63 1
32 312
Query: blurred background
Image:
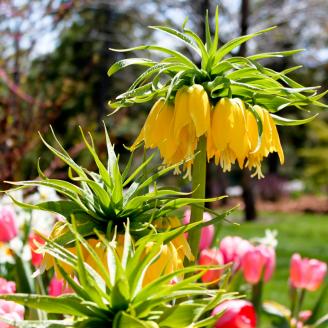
54 59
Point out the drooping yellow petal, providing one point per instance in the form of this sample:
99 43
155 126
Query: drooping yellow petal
180 242
210 148
276 141
252 130
153 135
239 143
139 139
167 262
200 109
222 123
269 142
181 111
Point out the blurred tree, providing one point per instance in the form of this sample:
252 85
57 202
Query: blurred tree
22 112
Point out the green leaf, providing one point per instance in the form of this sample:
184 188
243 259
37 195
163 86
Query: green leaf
179 316
290 122
127 62
38 323
65 304
317 308
23 275
208 32
178 35
215 42
229 46
102 169
183 59
275 54
64 156
200 45
123 319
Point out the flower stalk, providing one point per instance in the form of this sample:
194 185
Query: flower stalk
257 300
198 187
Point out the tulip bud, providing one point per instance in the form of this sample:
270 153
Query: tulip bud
211 257
233 250
207 233
8 227
237 314
307 273
258 261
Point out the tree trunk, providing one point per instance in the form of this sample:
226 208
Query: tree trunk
246 180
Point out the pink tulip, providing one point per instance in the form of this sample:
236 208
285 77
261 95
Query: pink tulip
307 273
237 314
34 240
258 261
8 227
12 311
7 287
211 257
207 233
57 287
233 250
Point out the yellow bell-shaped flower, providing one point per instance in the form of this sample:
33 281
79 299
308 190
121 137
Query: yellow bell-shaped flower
171 255
270 141
175 130
228 140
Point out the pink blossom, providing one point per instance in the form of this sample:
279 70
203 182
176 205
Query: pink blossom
12 311
8 226
237 314
57 287
307 273
211 257
207 233
258 261
7 287
233 250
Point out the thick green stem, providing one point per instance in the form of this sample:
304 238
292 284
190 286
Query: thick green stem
257 300
300 301
198 187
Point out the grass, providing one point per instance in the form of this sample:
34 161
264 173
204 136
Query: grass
306 234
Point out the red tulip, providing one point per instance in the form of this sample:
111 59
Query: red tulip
237 314
34 240
207 233
258 261
8 227
211 257
233 250
307 273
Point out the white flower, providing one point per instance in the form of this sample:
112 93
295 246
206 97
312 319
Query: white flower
270 238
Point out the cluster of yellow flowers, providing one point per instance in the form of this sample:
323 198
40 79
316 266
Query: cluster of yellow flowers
231 131
170 258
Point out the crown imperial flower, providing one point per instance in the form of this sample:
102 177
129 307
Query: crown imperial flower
230 101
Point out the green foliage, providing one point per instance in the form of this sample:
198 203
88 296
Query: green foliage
220 75
315 154
107 198
116 297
